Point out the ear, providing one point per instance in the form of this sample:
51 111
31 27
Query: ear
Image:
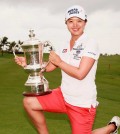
65 22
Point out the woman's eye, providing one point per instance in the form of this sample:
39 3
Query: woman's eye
80 21
70 21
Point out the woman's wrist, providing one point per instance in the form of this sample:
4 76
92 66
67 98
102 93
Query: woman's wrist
61 63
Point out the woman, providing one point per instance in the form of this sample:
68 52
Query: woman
77 94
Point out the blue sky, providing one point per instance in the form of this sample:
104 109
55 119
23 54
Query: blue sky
47 20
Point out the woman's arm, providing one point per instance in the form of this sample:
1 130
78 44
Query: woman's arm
50 67
78 73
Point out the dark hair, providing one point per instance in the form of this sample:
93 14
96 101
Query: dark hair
85 20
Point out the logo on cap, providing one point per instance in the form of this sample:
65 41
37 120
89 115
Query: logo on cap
73 11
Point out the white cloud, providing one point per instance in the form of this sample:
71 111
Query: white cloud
104 25
47 19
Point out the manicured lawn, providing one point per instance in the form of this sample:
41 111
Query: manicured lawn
13 119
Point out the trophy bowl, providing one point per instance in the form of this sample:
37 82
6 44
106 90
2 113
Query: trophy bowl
36 83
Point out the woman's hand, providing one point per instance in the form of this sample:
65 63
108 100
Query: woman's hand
54 58
20 61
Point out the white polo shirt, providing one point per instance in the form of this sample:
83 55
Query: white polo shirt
76 92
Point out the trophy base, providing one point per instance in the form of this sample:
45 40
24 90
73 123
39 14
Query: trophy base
30 94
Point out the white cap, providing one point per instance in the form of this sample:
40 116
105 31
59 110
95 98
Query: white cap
76 11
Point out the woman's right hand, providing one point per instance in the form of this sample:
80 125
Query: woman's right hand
20 61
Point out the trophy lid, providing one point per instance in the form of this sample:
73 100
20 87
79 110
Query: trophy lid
32 40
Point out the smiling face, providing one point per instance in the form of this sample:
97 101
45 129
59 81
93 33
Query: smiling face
76 26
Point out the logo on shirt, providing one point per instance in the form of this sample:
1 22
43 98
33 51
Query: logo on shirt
64 50
92 53
77 52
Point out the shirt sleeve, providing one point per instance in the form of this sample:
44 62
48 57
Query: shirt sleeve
91 49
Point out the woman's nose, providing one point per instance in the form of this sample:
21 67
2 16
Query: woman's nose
75 24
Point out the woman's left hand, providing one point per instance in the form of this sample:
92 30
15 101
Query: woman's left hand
54 58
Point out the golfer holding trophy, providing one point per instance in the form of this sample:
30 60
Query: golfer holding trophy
77 95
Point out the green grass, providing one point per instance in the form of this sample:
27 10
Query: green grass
13 119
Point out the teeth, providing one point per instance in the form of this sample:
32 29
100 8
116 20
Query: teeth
75 29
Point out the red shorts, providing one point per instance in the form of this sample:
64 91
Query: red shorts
81 119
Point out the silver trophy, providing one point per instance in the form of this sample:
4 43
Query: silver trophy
36 83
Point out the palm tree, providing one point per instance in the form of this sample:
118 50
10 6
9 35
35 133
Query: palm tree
18 46
3 43
12 44
20 43
15 46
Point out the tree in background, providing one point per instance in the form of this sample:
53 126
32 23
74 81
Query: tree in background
17 47
3 43
11 45
6 46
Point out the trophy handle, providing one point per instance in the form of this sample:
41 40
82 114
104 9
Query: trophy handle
48 43
51 48
15 48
